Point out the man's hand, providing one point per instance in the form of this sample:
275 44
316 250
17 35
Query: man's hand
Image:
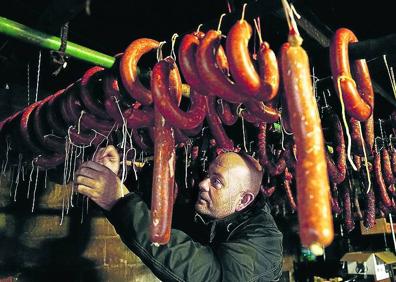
99 183
108 157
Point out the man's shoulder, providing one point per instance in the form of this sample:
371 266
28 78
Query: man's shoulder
258 224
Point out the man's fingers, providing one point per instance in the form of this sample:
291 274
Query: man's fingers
94 165
87 172
99 155
110 153
86 191
86 181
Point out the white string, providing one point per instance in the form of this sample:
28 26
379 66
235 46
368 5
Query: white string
391 75
365 158
45 180
17 177
28 84
173 54
393 231
243 133
11 178
159 51
38 76
8 147
349 139
63 206
35 188
30 180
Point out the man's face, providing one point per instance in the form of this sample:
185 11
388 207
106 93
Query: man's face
221 191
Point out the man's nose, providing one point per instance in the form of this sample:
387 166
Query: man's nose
204 185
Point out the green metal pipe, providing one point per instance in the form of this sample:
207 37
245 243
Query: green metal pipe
32 36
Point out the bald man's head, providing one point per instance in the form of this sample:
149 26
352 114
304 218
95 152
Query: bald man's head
232 184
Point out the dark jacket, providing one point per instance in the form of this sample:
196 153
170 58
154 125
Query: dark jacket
245 246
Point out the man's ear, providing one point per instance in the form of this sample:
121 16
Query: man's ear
246 199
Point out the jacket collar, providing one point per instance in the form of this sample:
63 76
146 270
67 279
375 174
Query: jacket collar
220 229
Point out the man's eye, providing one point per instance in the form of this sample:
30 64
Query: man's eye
216 182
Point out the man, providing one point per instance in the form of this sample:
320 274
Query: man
244 242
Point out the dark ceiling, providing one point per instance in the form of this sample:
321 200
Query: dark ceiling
111 25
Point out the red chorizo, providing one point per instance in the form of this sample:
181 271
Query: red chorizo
386 167
272 168
226 112
91 97
313 191
336 169
346 200
164 170
167 105
129 69
213 77
215 125
369 215
357 105
380 180
286 184
264 86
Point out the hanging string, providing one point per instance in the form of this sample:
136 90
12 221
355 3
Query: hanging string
65 164
30 180
365 158
28 84
243 133
38 76
243 12
8 148
124 136
159 51
45 179
35 188
17 177
349 139
186 150
221 19
391 75
258 29
173 40
63 207
11 178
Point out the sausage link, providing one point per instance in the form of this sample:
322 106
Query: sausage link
286 184
212 76
346 200
164 100
226 112
369 216
91 97
357 105
129 69
380 180
386 167
163 188
50 161
357 160
272 168
262 112
264 86
335 205
337 169
313 191
215 125
393 160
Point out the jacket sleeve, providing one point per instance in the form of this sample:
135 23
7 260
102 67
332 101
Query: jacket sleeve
182 259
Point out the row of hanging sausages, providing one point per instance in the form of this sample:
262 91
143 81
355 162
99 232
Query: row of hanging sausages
224 84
